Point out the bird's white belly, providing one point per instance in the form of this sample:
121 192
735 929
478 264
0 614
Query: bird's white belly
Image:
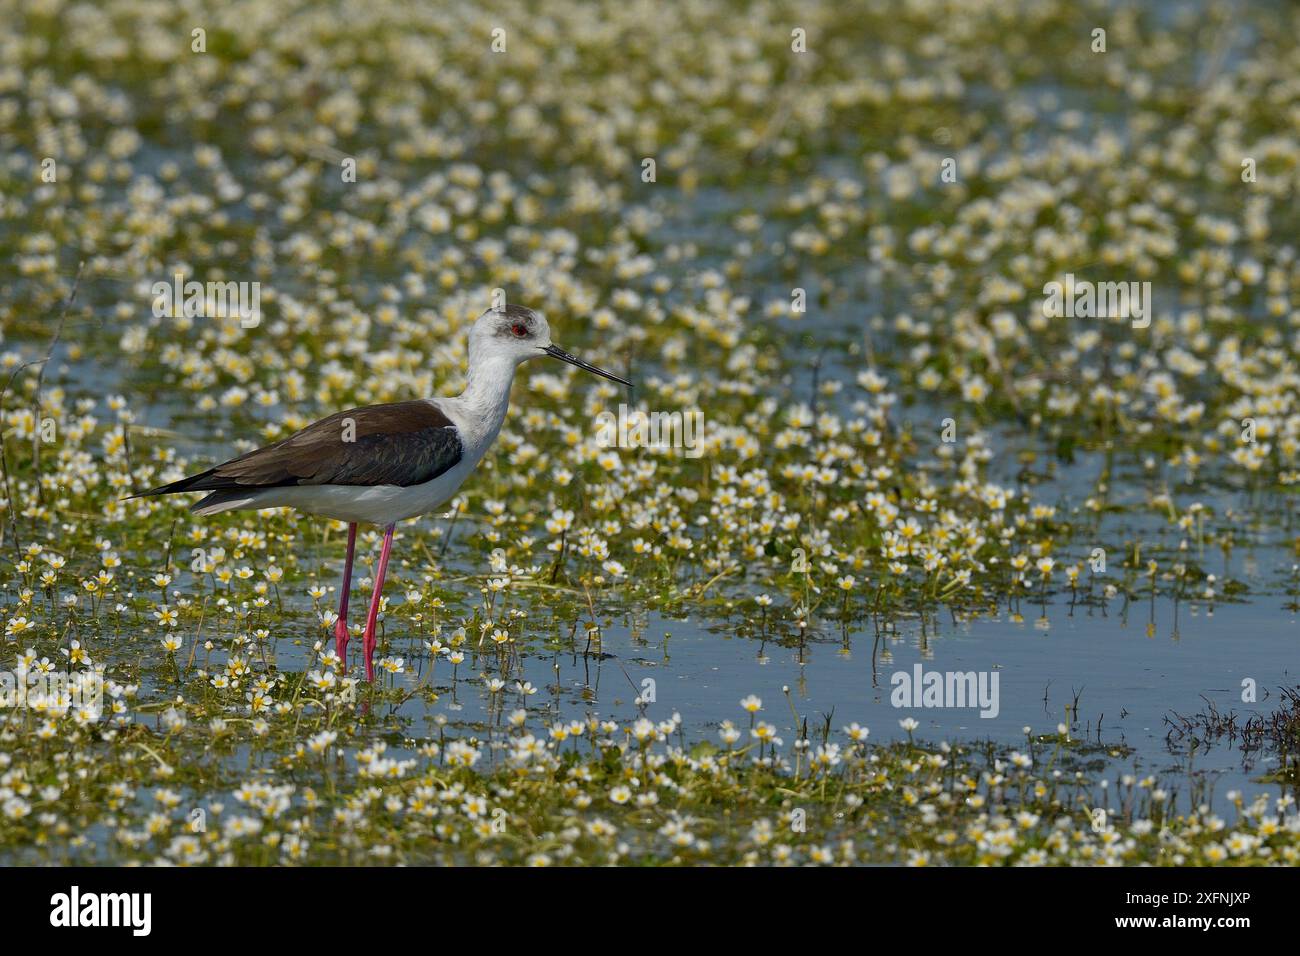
371 504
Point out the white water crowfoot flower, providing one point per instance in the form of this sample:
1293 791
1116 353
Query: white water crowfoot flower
856 733
321 681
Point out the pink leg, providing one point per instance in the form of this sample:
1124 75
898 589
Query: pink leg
369 639
341 625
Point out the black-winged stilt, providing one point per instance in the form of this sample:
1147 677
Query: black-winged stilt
381 464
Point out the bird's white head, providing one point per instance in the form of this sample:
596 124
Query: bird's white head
518 334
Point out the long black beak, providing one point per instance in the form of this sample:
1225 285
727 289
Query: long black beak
559 353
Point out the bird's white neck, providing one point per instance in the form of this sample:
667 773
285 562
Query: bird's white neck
487 390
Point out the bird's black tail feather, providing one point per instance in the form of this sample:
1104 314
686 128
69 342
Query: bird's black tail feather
188 483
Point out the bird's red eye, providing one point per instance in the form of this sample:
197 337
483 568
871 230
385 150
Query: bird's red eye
519 329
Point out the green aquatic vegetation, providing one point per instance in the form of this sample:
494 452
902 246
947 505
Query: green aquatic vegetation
177 789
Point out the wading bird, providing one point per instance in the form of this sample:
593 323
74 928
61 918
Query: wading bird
381 464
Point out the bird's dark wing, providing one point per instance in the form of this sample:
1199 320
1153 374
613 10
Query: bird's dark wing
405 443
